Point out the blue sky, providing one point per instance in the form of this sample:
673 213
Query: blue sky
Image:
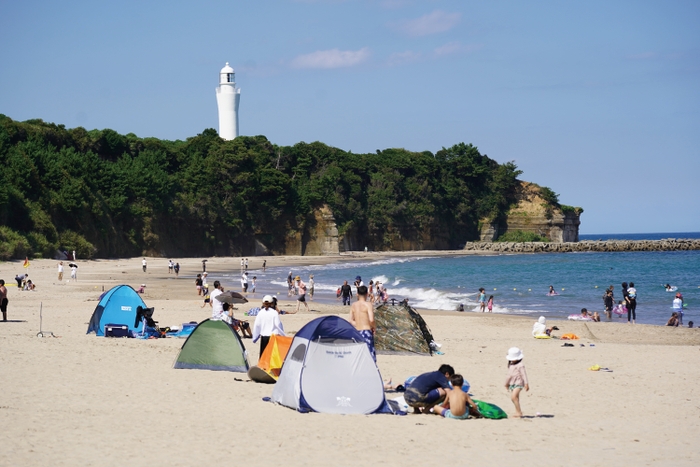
598 100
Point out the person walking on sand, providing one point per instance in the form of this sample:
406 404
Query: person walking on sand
246 264
346 293
267 323
3 299
242 264
302 294
144 264
482 299
171 265
362 317
73 272
176 268
60 271
311 287
516 379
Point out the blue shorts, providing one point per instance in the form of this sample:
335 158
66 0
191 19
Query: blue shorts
368 337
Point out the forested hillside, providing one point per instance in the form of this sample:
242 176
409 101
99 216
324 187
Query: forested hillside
110 195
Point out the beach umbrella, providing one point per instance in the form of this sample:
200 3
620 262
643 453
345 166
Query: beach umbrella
72 265
231 297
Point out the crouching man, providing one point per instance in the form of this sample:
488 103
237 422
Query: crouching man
429 389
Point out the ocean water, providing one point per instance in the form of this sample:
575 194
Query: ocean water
518 282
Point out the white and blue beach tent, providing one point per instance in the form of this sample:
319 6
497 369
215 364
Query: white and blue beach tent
329 369
117 306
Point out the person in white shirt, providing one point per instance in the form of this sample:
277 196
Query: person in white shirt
678 308
217 307
244 282
143 264
267 323
60 271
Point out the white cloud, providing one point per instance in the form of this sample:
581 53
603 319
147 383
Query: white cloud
449 48
333 58
433 23
401 58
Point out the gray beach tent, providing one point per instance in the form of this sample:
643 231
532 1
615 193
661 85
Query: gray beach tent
213 345
329 369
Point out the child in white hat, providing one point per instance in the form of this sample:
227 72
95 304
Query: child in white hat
516 379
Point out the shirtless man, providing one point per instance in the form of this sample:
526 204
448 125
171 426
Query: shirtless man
458 404
3 300
362 317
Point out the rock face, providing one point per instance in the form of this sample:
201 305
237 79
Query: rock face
668 244
534 214
318 237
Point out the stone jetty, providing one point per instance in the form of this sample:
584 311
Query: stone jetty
666 244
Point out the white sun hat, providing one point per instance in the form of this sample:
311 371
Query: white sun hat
514 354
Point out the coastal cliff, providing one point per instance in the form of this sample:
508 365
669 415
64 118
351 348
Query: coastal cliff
109 195
537 213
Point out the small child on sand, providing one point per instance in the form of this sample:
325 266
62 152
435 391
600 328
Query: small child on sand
458 405
517 378
489 305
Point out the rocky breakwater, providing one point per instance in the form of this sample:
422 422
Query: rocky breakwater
667 244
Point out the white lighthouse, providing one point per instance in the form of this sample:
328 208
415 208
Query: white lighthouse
227 98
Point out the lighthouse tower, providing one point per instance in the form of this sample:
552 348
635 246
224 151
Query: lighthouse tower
227 98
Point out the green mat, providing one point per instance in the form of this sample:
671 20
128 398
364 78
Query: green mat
491 411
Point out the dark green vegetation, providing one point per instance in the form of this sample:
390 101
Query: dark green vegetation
519 236
109 195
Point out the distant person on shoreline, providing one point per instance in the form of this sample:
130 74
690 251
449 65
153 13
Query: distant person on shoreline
198 284
346 293
176 268
608 302
264 265
489 304
302 294
73 271
631 298
312 285
204 265
673 320
171 265
482 300
253 284
144 264
3 300
678 308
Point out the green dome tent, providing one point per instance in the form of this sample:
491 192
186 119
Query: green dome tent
213 345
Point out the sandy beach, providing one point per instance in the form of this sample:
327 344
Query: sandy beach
82 400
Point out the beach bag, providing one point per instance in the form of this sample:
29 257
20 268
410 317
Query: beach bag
491 411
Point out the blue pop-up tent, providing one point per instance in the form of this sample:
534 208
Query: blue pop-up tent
329 369
117 306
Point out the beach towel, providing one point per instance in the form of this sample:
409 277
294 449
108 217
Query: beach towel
569 337
491 411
